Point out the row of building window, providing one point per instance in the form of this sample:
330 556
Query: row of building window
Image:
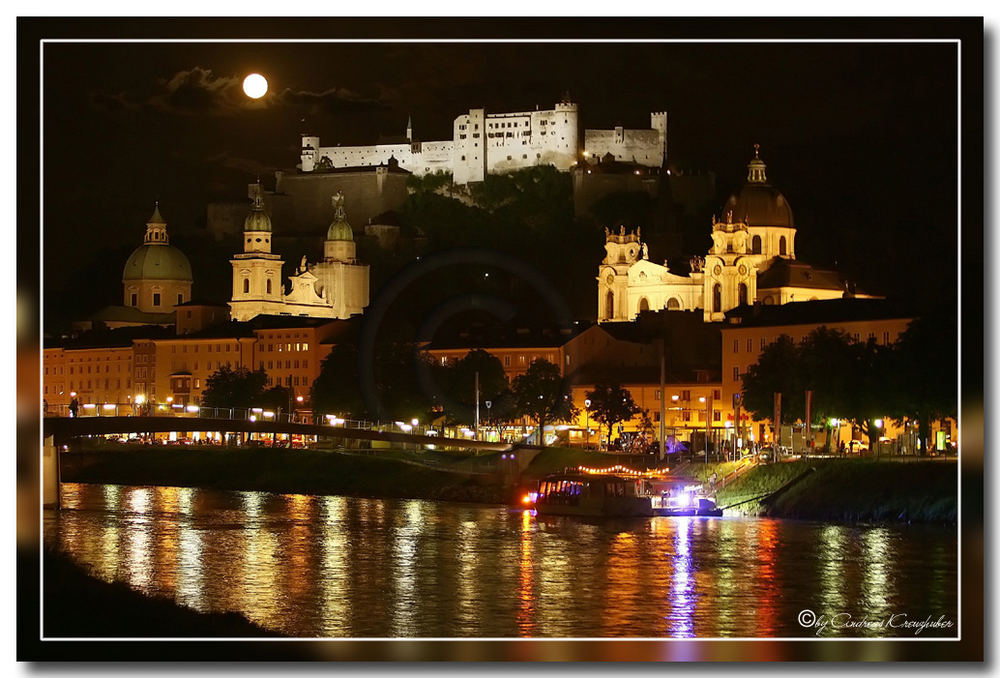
685 395
156 299
287 381
289 364
288 347
216 348
872 336
73 385
97 369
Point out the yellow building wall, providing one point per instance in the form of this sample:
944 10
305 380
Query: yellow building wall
686 411
742 346
98 376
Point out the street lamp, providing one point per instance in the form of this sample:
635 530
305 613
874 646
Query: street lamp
586 405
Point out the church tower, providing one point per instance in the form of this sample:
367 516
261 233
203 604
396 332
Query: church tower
342 280
257 287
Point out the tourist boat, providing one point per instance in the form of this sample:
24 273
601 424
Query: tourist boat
620 492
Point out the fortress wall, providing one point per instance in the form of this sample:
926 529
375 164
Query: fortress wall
367 156
642 146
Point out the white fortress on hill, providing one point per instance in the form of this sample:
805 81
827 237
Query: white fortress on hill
493 143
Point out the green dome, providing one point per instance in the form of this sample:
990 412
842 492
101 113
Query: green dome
340 230
157 262
257 220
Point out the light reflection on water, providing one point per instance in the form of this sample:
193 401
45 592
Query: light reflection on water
349 567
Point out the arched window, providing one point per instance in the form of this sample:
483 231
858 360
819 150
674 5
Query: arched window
643 305
267 286
609 305
717 298
246 285
755 245
782 246
673 304
743 294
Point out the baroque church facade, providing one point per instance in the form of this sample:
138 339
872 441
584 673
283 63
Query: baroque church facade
336 287
751 260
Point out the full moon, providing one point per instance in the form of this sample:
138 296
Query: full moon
255 85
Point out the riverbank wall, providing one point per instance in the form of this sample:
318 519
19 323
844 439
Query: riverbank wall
283 471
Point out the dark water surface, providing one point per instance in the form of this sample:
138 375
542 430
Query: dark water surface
344 566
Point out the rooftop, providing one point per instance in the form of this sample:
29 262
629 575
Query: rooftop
787 273
105 338
816 312
495 335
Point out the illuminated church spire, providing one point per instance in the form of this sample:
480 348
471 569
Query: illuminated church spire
156 228
756 169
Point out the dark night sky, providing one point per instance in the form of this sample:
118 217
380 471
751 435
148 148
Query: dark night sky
860 138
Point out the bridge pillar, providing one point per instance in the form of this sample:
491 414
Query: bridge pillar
50 474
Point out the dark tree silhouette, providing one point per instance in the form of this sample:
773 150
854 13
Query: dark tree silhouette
541 394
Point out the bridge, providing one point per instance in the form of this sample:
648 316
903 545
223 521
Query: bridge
64 428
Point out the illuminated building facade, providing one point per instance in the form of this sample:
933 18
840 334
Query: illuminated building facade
751 260
336 287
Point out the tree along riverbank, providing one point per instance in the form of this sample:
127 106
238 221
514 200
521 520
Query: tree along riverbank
77 605
850 490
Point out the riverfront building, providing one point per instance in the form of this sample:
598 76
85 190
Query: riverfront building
748 331
167 370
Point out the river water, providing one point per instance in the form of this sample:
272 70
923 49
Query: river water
329 566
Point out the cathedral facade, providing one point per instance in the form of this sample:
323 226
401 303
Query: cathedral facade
751 260
336 287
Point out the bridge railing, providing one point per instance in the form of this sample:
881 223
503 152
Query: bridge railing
263 414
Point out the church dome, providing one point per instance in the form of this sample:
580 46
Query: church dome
339 229
257 220
758 203
157 262
156 258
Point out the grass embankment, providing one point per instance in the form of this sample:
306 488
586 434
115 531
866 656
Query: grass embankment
76 604
851 490
280 470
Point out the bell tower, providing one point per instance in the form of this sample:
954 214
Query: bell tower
257 285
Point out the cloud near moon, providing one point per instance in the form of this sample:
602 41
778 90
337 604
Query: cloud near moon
199 91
